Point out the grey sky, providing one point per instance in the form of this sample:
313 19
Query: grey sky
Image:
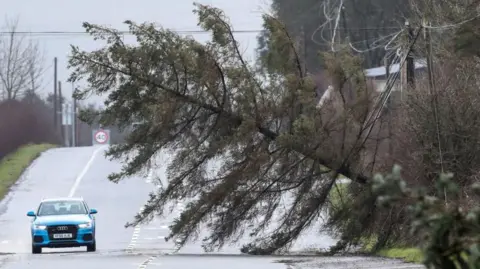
58 15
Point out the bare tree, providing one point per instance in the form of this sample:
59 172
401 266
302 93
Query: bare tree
21 63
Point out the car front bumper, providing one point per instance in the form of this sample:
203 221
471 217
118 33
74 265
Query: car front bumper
84 237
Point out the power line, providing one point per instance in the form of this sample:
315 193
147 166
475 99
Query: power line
51 33
252 31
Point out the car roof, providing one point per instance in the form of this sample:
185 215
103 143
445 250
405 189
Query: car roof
63 199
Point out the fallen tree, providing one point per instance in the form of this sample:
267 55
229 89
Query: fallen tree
205 102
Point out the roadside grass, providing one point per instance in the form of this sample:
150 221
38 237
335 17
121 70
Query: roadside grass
414 255
13 165
338 195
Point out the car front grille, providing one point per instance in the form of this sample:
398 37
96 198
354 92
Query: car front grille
62 229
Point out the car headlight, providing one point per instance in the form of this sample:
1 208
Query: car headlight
39 227
85 225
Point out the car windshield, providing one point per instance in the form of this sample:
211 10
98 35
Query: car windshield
50 208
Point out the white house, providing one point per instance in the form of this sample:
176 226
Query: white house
378 74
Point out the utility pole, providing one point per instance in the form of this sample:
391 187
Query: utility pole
433 93
74 118
303 45
410 58
54 101
428 49
344 22
389 109
61 110
387 76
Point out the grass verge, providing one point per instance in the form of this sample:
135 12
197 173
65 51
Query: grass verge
13 165
414 255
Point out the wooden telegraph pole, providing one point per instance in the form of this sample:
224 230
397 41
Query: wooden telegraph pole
410 58
54 101
61 110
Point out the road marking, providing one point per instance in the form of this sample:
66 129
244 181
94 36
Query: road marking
133 241
148 261
5 242
84 171
136 230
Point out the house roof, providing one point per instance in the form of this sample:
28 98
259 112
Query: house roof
381 70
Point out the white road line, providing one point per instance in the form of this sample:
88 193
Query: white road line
84 171
133 241
148 261
136 230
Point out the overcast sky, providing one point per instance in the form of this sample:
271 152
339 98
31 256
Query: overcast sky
61 15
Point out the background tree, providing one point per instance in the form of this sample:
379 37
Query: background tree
50 97
367 25
21 63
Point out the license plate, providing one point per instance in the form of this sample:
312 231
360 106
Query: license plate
61 236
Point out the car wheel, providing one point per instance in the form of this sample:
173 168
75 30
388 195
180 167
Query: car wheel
36 250
92 247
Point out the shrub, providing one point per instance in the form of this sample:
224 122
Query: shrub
450 232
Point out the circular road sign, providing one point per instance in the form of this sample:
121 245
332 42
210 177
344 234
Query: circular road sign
101 137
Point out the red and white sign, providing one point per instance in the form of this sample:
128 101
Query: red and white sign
101 137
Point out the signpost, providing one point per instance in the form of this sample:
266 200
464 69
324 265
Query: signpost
67 115
101 137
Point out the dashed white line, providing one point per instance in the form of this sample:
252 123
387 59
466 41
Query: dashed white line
148 261
84 171
136 230
133 241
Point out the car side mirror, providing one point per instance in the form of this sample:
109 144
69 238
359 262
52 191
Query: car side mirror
93 211
31 214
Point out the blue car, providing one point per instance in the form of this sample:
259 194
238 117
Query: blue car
63 223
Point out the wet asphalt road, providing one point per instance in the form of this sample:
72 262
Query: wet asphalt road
81 172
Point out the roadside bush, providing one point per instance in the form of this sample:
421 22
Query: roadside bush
450 232
23 122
